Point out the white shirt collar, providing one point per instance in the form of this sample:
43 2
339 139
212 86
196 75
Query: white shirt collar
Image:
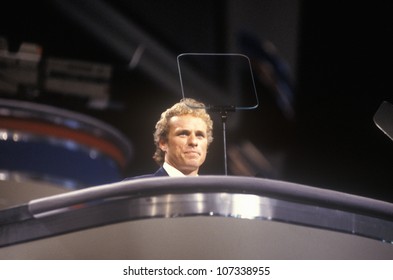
172 171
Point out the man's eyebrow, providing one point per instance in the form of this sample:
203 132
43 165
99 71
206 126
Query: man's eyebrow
182 130
201 131
186 130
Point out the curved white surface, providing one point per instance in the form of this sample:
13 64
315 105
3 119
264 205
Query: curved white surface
201 238
212 217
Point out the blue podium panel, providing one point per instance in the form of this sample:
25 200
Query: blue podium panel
59 146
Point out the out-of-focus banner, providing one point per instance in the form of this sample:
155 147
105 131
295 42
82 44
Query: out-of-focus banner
196 269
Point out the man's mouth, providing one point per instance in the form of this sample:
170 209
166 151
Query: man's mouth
192 153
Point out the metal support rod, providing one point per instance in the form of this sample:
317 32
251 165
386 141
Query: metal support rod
224 117
223 110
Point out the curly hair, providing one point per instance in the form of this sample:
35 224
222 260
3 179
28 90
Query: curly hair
186 106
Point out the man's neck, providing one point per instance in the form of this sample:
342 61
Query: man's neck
174 172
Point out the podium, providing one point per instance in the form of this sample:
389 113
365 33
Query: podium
205 217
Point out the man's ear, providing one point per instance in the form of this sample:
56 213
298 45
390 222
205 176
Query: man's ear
163 146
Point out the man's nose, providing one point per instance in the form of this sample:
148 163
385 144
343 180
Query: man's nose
192 140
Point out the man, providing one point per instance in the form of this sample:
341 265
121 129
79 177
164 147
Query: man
182 137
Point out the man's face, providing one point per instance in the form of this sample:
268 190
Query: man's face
186 146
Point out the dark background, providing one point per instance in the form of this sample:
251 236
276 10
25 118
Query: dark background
339 54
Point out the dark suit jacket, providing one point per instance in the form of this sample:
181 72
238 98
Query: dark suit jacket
160 172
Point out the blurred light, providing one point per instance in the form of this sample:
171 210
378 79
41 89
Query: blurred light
4 135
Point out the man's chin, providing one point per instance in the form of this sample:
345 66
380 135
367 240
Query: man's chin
194 160
192 164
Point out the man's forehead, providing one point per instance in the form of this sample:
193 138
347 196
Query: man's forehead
187 121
